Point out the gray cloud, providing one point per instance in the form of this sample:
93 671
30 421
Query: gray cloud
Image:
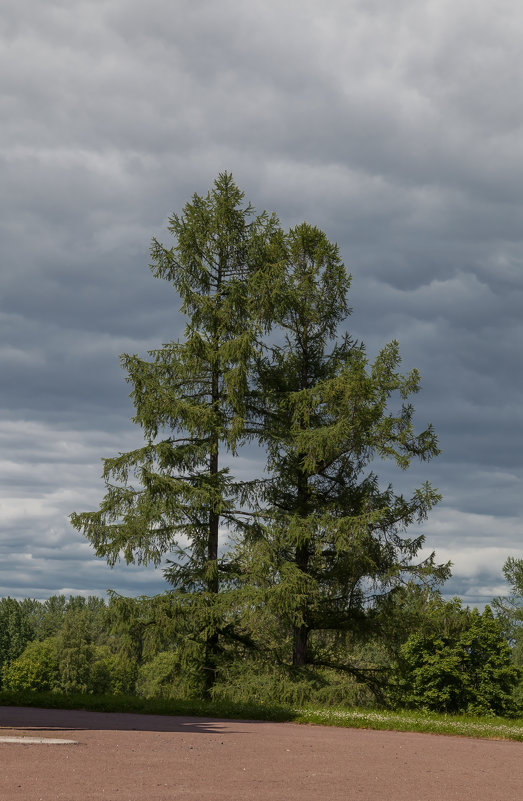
396 129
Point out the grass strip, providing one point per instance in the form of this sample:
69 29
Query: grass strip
149 706
493 728
426 722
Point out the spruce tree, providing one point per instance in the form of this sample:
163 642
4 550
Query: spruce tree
167 499
331 541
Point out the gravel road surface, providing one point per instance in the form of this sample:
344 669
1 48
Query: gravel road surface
126 757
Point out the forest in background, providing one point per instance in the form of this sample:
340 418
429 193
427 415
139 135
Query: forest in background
426 654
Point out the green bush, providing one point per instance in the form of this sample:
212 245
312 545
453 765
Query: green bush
16 628
117 674
256 681
36 669
158 678
471 671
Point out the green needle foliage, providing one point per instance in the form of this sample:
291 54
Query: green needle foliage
171 496
332 543
319 542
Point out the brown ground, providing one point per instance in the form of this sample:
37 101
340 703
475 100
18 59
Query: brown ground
124 757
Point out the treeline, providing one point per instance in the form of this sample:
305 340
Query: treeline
63 645
424 653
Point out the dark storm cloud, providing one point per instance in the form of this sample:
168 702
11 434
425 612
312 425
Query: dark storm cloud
394 127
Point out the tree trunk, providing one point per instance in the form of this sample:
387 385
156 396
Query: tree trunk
300 633
299 646
210 665
211 644
214 523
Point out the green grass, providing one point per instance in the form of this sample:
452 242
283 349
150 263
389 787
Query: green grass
428 722
463 725
148 706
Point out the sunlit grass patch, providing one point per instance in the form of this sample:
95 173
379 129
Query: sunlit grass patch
464 725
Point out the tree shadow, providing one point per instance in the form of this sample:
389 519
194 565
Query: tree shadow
63 720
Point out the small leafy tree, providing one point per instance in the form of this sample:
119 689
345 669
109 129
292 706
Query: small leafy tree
112 673
169 498
75 650
160 678
509 609
469 669
509 612
17 628
51 617
35 670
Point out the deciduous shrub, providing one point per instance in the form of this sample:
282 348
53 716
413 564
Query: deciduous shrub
469 671
36 669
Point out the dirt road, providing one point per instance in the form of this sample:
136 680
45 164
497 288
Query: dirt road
125 757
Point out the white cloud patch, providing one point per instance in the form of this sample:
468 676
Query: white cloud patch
56 472
478 546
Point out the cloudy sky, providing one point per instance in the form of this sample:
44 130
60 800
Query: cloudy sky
395 127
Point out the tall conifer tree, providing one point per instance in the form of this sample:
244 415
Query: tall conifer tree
332 539
170 497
